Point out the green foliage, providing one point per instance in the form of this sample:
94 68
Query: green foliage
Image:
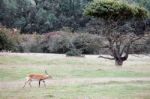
87 43
29 43
142 3
43 15
57 43
142 48
114 10
6 41
62 42
74 52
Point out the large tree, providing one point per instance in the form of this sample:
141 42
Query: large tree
123 25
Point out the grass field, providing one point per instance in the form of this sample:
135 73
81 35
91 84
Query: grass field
14 68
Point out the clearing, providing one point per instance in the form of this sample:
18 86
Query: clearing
74 77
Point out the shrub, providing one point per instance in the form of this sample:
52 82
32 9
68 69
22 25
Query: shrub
87 43
53 42
141 47
8 39
30 43
63 42
74 52
57 42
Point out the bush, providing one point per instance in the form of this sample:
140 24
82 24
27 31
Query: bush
8 39
56 42
63 42
53 42
87 43
141 47
74 52
30 43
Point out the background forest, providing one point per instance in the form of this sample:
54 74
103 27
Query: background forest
59 26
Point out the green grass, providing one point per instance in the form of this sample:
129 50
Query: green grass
95 91
9 74
63 72
16 67
47 60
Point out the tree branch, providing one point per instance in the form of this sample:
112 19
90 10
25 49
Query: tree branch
106 57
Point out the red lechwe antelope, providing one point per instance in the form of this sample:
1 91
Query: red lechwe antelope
38 77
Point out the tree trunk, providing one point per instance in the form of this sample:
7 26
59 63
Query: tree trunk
119 62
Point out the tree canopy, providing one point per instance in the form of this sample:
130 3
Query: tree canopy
142 3
115 10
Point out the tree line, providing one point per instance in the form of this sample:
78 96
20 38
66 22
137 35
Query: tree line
43 16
